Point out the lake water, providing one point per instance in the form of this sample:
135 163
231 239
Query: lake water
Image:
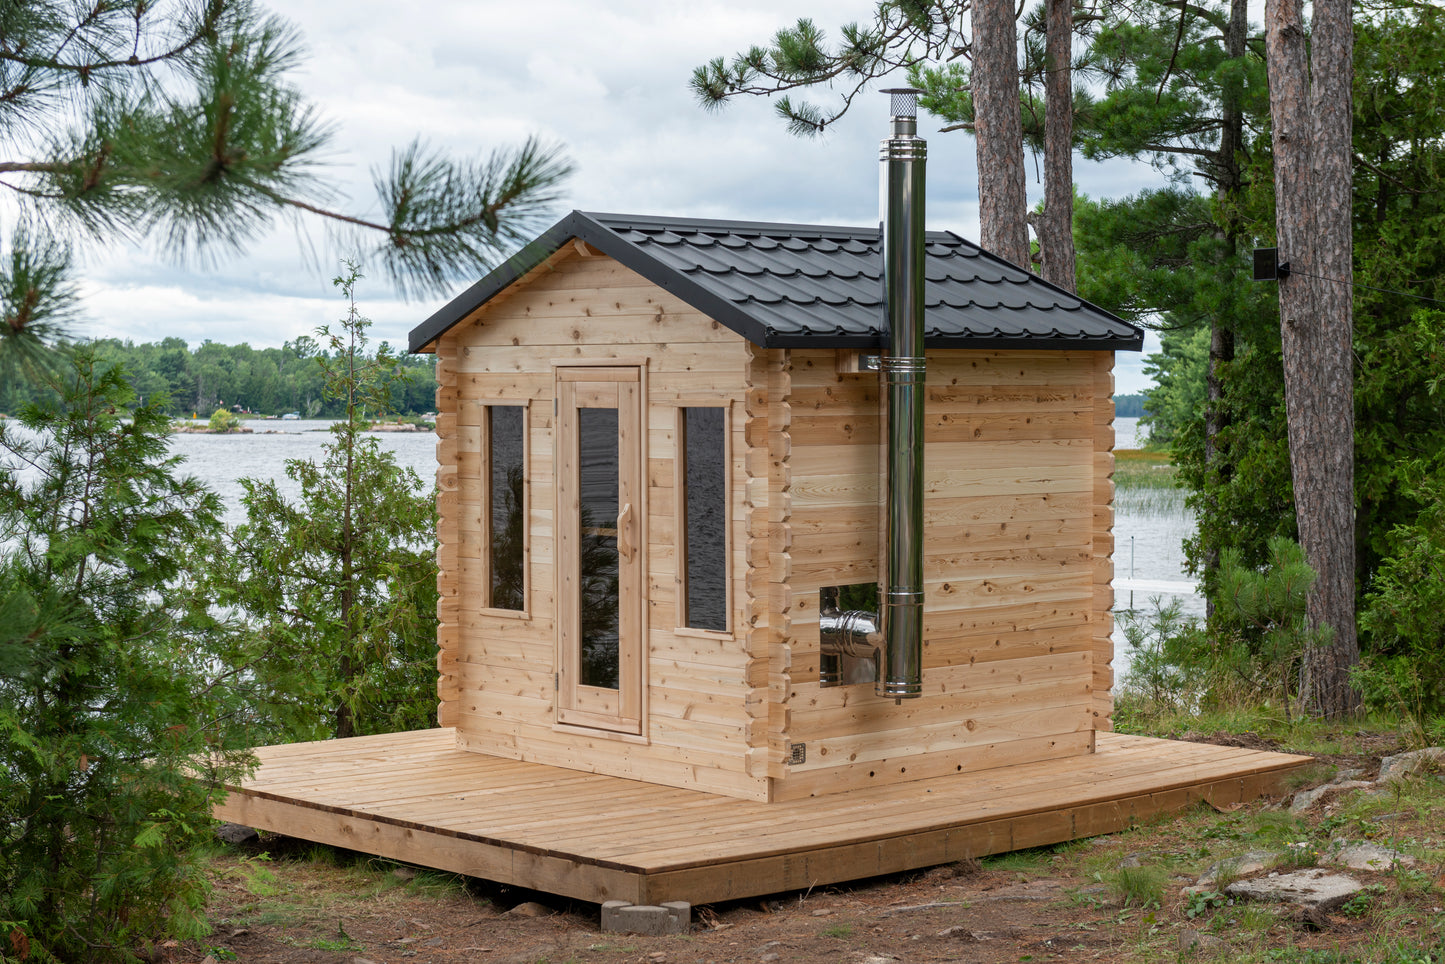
221 461
1148 533
1148 559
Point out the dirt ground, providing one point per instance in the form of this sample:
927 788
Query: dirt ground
1114 898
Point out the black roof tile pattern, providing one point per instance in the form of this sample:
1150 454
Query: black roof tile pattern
813 286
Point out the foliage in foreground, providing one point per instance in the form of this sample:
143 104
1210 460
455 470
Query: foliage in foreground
337 592
107 713
179 124
1406 613
1261 638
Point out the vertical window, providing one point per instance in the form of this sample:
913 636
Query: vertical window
599 490
505 511
702 519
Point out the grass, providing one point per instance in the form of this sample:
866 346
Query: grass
1141 887
1024 861
1144 469
1147 483
301 890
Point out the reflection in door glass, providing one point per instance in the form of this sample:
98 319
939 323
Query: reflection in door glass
597 478
705 514
505 496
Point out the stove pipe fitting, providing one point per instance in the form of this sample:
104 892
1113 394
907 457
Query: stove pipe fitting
900 593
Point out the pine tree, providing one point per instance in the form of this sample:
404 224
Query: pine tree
177 124
117 732
926 40
337 591
1310 105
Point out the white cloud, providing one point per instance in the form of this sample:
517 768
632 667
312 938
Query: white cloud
609 81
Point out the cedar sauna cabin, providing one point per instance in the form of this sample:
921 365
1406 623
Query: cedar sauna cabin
770 555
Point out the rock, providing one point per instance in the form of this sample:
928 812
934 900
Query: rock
530 909
1364 856
234 834
1308 798
1130 862
1244 865
822 912
770 957
1193 942
1403 765
1313 889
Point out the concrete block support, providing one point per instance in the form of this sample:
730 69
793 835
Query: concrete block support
620 917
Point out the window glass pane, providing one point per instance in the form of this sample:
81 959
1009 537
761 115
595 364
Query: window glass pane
705 515
597 466
505 489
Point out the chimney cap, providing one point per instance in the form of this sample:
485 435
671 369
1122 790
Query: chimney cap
903 100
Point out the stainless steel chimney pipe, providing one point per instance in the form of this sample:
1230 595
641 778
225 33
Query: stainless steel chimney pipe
903 156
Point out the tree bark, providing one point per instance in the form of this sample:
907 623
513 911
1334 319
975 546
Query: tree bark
1221 334
998 132
1311 114
1056 228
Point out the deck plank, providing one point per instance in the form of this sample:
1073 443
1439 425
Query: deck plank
418 797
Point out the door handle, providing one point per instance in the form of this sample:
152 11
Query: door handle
624 532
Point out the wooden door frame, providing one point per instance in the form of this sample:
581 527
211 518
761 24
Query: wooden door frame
626 716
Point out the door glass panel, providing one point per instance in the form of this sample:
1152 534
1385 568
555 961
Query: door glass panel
597 475
705 515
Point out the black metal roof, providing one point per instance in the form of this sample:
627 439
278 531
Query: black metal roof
811 286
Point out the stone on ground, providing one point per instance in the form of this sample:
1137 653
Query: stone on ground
235 833
1313 889
621 917
1403 765
1242 866
1364 856
1308 798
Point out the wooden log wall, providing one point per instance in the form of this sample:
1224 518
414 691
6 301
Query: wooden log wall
1103 616
1016 563
707 715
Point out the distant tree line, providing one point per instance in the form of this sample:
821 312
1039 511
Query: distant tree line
263 381
1129 406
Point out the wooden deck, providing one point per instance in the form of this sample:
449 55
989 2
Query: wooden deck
416 797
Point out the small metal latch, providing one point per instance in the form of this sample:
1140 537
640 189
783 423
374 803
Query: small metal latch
797 754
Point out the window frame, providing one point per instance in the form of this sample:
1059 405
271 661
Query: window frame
580 708
679 492
485 520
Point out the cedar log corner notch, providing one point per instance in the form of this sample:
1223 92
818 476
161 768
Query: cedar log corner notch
664 465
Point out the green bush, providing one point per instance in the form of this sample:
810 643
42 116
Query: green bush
336 590
1250 652
223 421
113 740
1405 616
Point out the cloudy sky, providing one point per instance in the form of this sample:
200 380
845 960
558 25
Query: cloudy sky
608 81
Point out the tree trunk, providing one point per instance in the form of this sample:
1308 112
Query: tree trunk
998 131
1312 123
1056 228
1221 334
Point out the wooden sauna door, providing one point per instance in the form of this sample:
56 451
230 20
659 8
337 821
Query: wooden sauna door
600 576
